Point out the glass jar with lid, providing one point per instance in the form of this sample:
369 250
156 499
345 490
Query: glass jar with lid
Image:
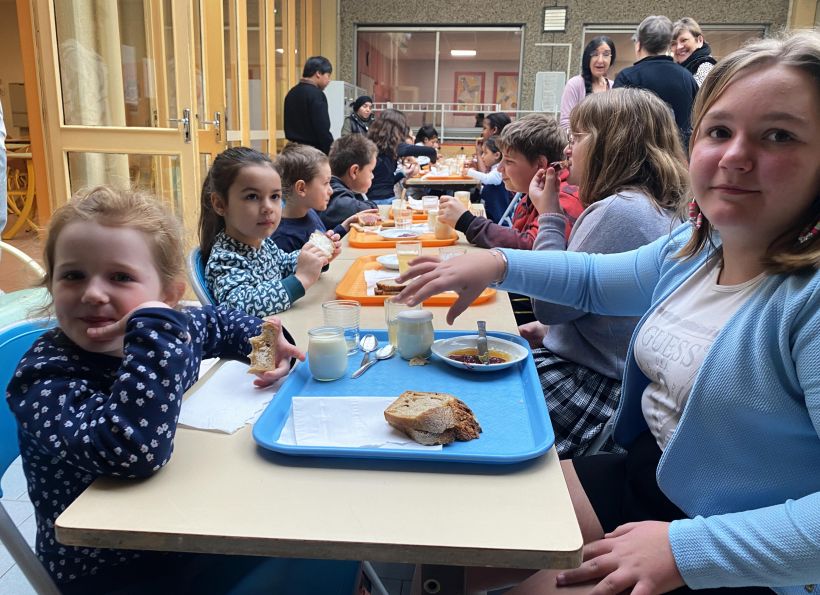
327 352
415 333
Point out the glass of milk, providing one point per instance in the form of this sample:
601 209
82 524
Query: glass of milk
327 352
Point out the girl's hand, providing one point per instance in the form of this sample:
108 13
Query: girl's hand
544 190
309 265
467 275
284 352
635 557
449 210
412 170
117 329
337 244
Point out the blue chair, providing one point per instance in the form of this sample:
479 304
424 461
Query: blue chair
15 340
196 275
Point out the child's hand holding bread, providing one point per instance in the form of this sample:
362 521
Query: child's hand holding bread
271 353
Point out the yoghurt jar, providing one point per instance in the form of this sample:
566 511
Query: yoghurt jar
414 333
327 352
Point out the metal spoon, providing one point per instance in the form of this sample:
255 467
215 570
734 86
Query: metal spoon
367 344
385 352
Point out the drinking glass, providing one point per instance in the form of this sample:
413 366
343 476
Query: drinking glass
405 252
391 314
327 352
432 216
429 203
397 205
344 314
403 218
464 198
386 212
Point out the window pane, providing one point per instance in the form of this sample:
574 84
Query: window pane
108 67
158 174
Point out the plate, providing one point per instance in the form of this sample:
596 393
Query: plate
389 261
400 234
444 347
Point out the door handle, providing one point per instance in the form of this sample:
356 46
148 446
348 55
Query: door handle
185 120
217 124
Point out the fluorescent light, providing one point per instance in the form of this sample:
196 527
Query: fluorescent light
464 53
280 51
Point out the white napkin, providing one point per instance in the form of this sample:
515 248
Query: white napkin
373 276
348 422
227 401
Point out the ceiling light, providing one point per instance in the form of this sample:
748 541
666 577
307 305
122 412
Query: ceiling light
280 51
462 53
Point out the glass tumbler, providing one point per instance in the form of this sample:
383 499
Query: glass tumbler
327 353
344 314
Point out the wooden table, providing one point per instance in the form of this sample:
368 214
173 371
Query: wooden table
222 494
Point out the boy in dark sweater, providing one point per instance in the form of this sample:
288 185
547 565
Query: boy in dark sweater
352 159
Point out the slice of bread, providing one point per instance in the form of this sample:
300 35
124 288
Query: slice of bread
388 287
432 418
263 348
321 241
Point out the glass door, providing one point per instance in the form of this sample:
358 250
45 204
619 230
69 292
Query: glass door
118 85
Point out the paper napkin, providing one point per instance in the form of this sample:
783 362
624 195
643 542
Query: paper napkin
345 422
227 401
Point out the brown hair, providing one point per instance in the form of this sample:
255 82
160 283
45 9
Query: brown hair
221 176
686 24
114 207
298 162
388 130
350 150
633 143
534 136
799 50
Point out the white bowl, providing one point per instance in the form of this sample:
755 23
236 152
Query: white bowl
443 347
389 261
392 233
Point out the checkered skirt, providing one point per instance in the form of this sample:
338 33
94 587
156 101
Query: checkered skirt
580 402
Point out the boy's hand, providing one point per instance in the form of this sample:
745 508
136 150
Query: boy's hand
117 329
543 191
337 244
449 210
284 352
309 265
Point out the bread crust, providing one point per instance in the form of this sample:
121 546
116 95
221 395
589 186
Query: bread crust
432 418
263 348
388 287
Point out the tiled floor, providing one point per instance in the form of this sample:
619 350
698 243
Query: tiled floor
17 504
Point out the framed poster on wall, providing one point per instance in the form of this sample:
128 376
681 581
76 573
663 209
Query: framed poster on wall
469 87
505 90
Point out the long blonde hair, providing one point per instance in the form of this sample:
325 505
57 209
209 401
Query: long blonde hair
633 144
799 50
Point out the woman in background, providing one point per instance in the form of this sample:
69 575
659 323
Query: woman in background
360 118
598 57
690 51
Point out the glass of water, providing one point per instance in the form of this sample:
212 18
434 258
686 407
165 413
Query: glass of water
344 314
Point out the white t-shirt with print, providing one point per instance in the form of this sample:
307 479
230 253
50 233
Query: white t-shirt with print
674 340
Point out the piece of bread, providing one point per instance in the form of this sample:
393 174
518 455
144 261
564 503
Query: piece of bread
368 218
263 348
322 242
432 418
388 287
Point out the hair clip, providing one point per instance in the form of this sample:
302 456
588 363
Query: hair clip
809 233
695 216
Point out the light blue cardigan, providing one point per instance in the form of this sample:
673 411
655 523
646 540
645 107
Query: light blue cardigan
744 462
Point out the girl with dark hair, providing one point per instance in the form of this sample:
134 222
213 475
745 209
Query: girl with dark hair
492 126
595 63
241 208
389 132
360 118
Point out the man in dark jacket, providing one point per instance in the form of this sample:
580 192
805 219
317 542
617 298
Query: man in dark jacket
657 72
307 120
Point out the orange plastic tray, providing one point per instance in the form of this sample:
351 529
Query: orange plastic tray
358 239
353 286
417 216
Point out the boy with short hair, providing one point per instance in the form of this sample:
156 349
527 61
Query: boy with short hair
352 159
528 144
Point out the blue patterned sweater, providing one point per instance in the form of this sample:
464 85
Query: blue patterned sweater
84 415
259 281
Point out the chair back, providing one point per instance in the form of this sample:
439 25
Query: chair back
196 275
15 340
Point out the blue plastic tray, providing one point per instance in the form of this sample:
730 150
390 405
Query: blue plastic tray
509 405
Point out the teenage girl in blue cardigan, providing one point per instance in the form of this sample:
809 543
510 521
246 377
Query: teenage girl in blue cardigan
720 410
